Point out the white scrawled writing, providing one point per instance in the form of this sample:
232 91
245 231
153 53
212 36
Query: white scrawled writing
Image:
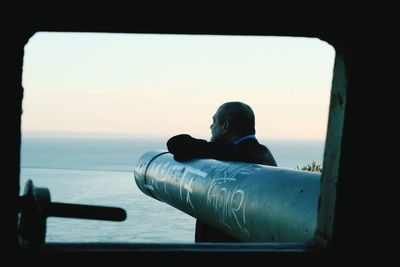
228 201
186 183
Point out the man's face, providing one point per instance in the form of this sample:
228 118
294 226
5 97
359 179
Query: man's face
216 127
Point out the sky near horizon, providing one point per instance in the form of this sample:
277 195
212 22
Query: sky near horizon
162 85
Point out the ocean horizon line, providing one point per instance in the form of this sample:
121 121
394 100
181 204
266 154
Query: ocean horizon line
77 169
76 134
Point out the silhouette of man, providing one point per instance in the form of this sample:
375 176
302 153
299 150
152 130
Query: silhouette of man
233 139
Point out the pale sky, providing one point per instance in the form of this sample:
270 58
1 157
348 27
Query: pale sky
162 85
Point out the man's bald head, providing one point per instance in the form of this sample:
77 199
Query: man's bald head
240 117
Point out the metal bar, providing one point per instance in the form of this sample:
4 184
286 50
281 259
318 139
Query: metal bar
55 209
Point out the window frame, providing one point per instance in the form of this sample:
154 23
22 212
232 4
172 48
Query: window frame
329 179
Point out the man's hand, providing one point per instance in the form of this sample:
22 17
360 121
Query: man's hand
185 147
179 144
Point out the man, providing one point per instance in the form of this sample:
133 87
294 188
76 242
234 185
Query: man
233 139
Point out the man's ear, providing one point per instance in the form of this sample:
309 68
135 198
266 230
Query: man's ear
225 127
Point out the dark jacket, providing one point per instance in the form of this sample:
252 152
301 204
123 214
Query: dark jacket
185 147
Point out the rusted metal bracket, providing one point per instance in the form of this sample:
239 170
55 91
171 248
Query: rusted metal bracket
35 207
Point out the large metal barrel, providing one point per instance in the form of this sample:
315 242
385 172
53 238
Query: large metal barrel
254 203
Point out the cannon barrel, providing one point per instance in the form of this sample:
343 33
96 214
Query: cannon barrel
252 202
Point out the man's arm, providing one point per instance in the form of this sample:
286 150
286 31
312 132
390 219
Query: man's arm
185 147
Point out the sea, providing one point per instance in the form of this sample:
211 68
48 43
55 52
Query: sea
99 171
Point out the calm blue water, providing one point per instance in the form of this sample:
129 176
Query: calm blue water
99 171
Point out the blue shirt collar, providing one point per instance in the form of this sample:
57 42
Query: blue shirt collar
244 138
